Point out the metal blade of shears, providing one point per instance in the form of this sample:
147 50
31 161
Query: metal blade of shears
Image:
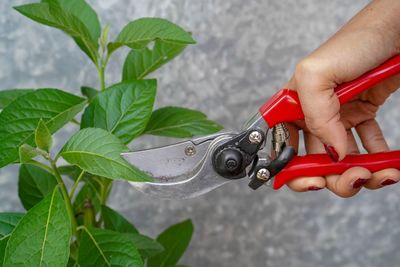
182 170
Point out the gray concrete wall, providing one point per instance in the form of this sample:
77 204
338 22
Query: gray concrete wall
245 51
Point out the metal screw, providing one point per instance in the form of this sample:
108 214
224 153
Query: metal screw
190 151
255 137
263 174
231 164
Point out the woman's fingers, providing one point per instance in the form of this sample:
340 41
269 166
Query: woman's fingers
321 106
373 141
383 178
345 185
293 136
302 184
348 183
352 147
371 136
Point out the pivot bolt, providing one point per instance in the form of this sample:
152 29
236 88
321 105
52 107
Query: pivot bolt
255 137
263 174
231 164
190 151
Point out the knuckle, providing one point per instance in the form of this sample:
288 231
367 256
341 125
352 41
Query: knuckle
376 138
308 68
316 126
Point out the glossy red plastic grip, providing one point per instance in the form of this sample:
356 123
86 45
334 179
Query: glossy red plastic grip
285 106
321 165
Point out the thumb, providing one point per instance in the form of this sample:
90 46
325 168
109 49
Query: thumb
321 108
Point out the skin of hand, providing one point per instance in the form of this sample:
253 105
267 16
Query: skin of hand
365 42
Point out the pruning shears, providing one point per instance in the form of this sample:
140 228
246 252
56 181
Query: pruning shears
260 152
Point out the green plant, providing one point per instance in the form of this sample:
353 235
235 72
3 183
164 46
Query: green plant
73 226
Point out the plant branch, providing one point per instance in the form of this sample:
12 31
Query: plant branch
101 76
64 192
41 165
101 67
71 194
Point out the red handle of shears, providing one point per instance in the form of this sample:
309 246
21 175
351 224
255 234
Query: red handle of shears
285 106
321 165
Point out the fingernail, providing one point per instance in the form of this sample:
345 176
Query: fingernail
330 150
314 188
358 183
388 182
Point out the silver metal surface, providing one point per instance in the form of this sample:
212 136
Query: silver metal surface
175 174
256 122
280 136
255 137
185 170
263 174
190 150
166 163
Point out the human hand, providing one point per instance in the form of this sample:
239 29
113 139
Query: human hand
364 43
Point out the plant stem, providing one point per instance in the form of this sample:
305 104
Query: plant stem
101 69
105 185
64 192
88 214
71 194
101 76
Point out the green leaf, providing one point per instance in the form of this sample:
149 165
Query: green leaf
8 96
146 246
100 247
175 240
42 236
139 63
138 33
8 220
3 245
122 109
89 92
43 137
34 184
84 12
98 152
71 171
104 37
64 17
116 222
27 153
180 123
72 263
18 121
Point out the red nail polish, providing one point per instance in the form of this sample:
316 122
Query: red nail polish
330 150
314 188
358 183
388 182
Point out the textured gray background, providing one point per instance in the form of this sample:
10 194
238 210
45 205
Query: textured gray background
245 51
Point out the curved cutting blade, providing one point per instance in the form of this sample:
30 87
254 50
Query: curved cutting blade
182 170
